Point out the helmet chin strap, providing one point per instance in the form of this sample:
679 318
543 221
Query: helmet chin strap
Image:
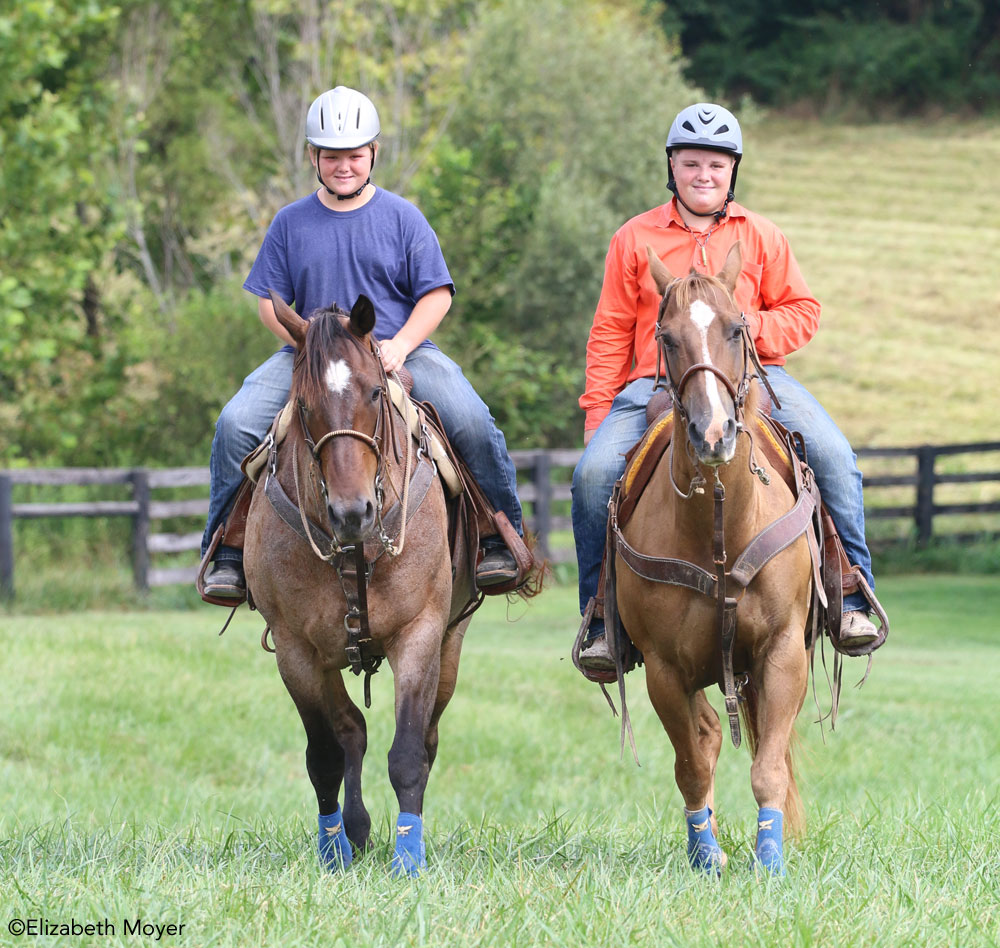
341 197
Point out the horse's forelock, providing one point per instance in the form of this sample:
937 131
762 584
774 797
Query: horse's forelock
697 286
326 339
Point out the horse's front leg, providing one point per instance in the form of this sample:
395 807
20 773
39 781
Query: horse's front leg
687 719
336 740
416 666
784 677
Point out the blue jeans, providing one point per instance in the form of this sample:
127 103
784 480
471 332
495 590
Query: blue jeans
830 456
436 378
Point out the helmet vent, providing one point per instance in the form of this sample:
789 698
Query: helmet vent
721 129
341 118
689 126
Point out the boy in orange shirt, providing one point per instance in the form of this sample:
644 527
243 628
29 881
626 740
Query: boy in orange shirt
695 230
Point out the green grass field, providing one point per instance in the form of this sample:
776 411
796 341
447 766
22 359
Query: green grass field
152 770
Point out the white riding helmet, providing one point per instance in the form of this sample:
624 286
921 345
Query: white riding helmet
706 125
342 118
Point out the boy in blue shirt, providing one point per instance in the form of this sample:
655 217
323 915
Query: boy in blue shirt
347 238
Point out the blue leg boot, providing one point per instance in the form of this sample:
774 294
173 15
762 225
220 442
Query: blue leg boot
334 846
408 857
768 853
703 850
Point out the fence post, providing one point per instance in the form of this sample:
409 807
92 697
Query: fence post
6 538
542 476
925 493
140 528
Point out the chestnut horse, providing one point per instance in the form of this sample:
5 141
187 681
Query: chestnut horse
343 463
707 354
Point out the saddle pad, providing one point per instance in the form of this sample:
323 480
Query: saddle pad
256 460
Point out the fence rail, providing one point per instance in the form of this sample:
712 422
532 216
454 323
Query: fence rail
544 488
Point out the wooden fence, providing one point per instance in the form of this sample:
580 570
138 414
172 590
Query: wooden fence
544 489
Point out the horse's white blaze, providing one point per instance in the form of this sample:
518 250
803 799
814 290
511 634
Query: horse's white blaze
702 316
338 375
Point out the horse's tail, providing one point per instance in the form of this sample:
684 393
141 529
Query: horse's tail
794 813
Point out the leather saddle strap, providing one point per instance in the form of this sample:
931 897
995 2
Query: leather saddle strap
285 508
726 615
661 569
352 570
773 539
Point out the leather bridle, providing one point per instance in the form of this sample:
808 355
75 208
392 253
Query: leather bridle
384 422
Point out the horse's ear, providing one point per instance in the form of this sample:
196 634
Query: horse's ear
730 271
292 321
362 316
662 277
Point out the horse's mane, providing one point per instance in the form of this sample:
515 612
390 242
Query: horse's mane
324 338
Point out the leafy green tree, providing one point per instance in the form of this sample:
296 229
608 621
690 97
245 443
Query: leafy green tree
57 226
559 115
876 59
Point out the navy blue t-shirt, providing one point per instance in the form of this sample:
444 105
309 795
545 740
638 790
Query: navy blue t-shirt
312 257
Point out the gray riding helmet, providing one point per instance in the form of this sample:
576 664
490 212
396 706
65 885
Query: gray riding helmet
342 118
706 125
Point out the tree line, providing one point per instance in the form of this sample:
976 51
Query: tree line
146 145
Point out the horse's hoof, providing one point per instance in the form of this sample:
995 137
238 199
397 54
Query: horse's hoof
334 846
408 857
703 850
768 852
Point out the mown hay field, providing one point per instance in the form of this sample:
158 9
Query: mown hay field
896 230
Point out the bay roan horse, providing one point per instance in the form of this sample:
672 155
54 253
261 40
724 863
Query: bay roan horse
705 350
338 465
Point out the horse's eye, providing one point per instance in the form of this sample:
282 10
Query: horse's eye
376 392
737 333
668 342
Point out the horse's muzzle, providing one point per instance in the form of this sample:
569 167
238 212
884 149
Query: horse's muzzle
713 446
352 520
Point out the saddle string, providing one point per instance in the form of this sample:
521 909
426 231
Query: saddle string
386 408
395 549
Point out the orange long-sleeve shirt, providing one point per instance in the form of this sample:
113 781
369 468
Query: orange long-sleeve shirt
782 314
